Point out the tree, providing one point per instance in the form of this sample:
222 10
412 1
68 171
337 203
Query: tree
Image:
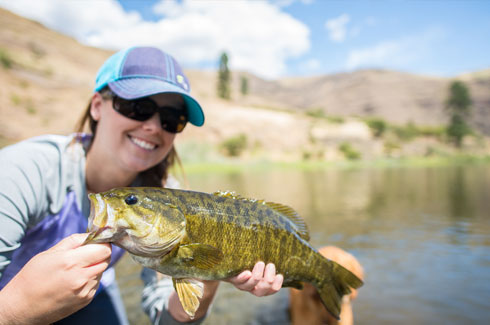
224 77
458 105
244 85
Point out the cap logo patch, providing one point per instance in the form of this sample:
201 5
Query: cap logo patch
180 80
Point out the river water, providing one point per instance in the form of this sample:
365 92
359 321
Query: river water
422 236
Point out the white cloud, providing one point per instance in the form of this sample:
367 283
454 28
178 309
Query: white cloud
337 27
287 3
257 35
395 53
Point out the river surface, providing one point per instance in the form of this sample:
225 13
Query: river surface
422 236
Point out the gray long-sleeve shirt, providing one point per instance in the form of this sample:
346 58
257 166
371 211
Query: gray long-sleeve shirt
43 198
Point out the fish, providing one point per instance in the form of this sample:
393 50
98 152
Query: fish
194 236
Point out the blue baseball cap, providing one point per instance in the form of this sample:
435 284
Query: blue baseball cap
144 71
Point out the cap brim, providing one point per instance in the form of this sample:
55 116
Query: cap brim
133 88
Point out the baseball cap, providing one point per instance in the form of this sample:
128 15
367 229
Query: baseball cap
144 71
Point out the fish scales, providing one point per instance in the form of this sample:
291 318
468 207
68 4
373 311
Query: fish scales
237 233
192 235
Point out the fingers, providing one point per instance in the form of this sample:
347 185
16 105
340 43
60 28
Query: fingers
240 279
262 281
258 271
270 273
92 254
70 242
98 269
265 286
277 284
248 283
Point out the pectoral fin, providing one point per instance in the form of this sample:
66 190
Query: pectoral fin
200 255
189 292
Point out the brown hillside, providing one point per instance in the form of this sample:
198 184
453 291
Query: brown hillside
49 79
394 96
46 80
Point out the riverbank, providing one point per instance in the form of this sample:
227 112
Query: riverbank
231 166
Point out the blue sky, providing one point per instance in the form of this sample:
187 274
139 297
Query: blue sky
278 38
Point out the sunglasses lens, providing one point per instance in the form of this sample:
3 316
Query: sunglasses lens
173 119
143 110
139 110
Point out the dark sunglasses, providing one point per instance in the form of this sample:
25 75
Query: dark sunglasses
173 119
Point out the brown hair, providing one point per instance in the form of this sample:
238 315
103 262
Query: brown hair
155 176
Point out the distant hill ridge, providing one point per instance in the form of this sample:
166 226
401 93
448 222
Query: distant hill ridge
397 97
50 78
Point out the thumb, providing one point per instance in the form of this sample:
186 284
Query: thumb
70 242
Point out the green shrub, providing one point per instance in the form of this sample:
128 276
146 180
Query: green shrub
410 131
15 99
319 113
406 132
24 84
335 119
391 146
244 85
26 103
316 112
29 106
5 59
307 155
432 131
377 126
349 152
234 146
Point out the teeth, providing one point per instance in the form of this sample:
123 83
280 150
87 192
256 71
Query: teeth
143 144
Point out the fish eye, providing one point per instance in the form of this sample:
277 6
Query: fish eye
131 199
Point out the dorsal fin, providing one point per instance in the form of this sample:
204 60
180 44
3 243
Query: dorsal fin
285 210
233 195
292 215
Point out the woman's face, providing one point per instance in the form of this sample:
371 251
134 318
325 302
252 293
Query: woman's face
133 146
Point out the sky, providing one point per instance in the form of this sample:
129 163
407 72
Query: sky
283 38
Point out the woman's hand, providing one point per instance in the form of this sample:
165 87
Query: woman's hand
262 281
54 283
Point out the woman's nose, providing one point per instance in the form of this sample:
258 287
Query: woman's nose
153 123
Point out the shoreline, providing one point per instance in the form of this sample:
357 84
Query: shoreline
233 166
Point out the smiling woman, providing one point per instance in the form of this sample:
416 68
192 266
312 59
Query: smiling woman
140 102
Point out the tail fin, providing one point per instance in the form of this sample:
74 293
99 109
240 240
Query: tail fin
335 286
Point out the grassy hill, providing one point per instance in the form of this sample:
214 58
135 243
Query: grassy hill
46 80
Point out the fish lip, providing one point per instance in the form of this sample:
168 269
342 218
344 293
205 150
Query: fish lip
98 212
99 235
99 231
93 203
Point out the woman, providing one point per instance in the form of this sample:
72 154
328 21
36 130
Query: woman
141 101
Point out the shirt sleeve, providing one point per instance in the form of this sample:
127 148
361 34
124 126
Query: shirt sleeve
25 169
155 297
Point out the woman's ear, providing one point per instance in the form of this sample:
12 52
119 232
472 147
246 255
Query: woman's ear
96 106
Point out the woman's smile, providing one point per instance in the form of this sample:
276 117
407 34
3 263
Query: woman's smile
143 143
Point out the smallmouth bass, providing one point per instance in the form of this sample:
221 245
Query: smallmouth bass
194 236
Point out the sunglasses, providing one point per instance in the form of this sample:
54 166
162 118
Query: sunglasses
173 119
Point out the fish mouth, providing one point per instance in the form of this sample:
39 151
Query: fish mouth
98 236
99 231
98 211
